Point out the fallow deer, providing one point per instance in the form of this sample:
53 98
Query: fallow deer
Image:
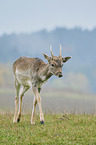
34 72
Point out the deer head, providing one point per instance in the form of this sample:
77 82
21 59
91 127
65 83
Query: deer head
56 63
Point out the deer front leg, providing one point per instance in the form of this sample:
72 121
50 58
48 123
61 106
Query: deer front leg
39 103
40 109
33 110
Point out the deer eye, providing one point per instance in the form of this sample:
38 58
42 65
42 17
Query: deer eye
52 64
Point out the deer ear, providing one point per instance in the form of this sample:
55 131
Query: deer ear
65 59
46 56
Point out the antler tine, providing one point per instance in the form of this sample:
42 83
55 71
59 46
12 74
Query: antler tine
51 51
60 50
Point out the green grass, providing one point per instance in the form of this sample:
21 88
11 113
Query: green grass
77 130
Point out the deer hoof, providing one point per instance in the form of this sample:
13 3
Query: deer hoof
18 119
42 122
14 121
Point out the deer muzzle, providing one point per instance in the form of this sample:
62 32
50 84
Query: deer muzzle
59 74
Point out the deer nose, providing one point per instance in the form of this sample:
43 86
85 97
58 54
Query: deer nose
60 74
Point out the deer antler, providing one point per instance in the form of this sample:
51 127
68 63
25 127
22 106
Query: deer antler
51 51
60 50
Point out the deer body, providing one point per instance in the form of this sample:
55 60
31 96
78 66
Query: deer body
33 72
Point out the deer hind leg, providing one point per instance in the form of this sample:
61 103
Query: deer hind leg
22 91
17 86
37 95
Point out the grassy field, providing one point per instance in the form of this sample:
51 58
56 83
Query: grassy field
70 118
58 129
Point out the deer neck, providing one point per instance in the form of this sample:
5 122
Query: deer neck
45 73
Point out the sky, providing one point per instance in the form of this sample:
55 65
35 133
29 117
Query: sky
27 16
